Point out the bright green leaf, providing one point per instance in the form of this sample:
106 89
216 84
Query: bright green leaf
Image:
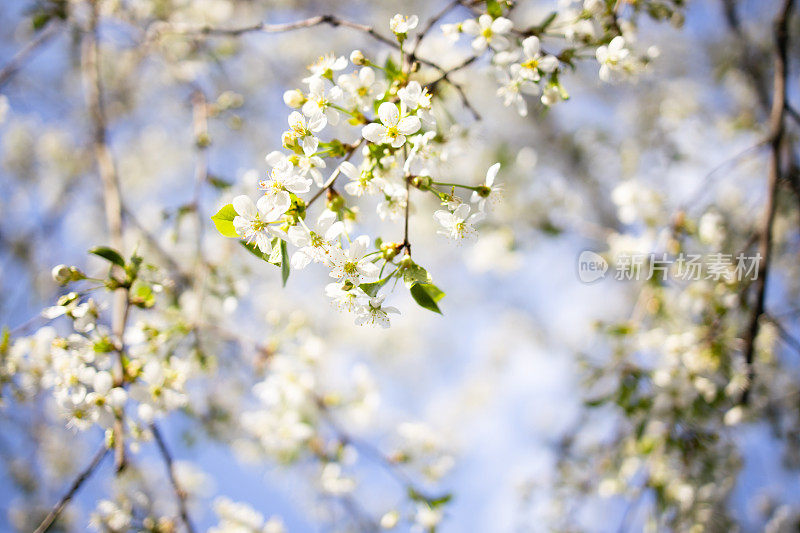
253 249
426 295
414 273
223 221
109 254
284 262
494 8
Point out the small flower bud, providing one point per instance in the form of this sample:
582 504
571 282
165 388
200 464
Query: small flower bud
61 274
294 98
357 58
334 201
422 183
391 249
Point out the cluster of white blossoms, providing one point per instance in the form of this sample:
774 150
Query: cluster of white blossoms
400 147
237 517
590 28
78 369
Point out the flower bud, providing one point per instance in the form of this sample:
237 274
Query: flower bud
61 274
357 58
294 98
390 250
334 201
422 183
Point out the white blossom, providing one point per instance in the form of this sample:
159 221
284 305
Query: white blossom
488 32
394 125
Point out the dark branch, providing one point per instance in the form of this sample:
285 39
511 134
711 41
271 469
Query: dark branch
776 134
180 494
73 489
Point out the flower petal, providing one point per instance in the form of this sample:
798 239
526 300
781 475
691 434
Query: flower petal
389 114
409 125
491 174
245 207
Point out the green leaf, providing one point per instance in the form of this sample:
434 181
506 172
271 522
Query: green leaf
142 296
223 221
219 183
426 295
494 8
253 249
372 288
109 254
5 341
414 273
284 262
391 69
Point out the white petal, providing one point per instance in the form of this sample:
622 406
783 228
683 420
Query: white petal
336 229
366 76
409 125
359 247
300 260
274 158
244 206
296 120
501 25
491 174
548 63
389 114
349 169
461 212
531 46
471 27
310 145
374 133
282 201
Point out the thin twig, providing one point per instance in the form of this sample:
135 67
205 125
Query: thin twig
792 112
787 337
180 494
430 24
776 120
26 52
328 184
55 512
330 20
112 200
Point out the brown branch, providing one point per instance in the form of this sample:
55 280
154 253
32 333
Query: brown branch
787 337
792 112
180 494
430 24
350 151
112 200
445 76
26 52
55 512
263 27
776 132
333 21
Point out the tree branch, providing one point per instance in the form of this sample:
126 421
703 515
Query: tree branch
776 132
26 52
328 184
55 512
112 200
180 494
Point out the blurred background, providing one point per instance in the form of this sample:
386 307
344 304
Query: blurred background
515 397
